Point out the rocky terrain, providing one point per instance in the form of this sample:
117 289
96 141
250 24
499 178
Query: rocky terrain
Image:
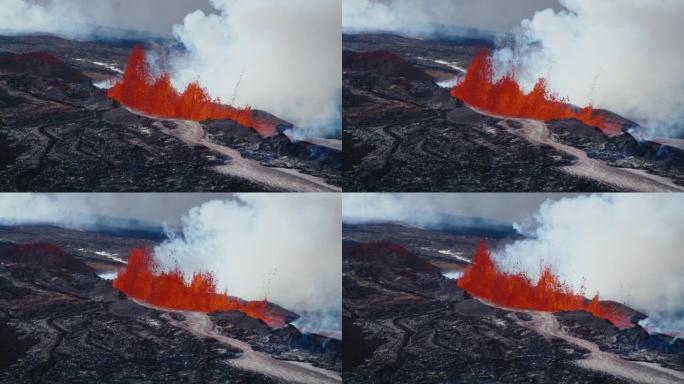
61 323
405 322
60 132
402 131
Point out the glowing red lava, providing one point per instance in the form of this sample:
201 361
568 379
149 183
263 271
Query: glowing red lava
140 281
505 97
484 280
157 97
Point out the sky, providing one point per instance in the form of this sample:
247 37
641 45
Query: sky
420 208
78 209
414 16
153 16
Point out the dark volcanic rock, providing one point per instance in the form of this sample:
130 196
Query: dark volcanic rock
634 343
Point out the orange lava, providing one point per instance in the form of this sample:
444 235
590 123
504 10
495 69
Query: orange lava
484 280
169 290
139 90
505 97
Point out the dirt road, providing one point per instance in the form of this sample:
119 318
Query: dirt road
287 180
547 325
537 132
201 325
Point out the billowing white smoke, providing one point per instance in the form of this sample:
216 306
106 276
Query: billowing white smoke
628 247
284 247
280 56
621 55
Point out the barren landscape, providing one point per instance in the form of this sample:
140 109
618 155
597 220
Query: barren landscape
62 322
406 320
404 132
59 131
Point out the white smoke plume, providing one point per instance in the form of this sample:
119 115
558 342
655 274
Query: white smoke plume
284 57
621 55
284 247
627 247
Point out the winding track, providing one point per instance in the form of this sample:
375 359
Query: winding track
537 132
200 324
280 179
191 132
547 325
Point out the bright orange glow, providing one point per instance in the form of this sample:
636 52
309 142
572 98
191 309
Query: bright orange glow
484 280
157 97
505 97
138 280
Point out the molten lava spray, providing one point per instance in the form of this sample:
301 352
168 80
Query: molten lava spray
169 290
505 97
139 90
484 280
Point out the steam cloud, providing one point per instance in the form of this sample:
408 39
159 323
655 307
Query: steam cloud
627 247
280 56
286 247
622 55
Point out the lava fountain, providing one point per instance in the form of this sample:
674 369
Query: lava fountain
505 97
140 281
139 90
484 280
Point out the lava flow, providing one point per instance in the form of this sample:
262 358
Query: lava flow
169 290
505 97
484 280
157 97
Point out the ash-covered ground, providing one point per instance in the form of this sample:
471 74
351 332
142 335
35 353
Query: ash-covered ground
402 131
405 322
60 322
59 132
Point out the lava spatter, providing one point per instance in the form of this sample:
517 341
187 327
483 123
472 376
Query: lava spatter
484 280
139 90
505 97
141 280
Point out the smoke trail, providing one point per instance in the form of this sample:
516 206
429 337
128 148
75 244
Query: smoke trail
286 247
621 55
283 57
627 247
